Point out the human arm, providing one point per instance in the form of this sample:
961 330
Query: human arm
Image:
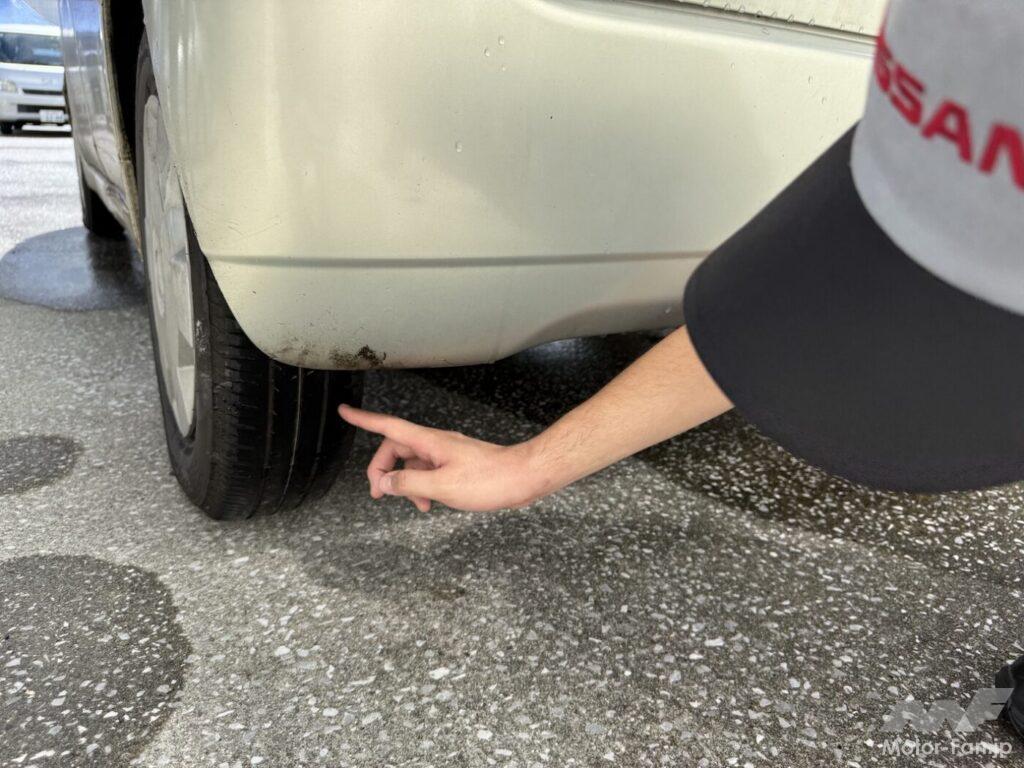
663 393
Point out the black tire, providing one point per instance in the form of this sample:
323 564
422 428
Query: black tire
265 436
6 129
95 216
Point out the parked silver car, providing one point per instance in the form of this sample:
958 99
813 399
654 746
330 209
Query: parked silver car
31 69
322 187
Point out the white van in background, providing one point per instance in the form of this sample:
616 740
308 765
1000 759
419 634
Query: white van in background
31 69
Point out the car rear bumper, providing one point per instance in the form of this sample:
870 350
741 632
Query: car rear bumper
346 313
473 178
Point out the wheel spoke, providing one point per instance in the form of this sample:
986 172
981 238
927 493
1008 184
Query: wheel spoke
169 269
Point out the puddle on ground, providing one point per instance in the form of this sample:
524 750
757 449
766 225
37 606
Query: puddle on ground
70 269
91 660
33 461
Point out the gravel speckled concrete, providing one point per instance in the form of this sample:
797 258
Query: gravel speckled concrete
713 602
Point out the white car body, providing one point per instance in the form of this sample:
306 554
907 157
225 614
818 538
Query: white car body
31 93
414 183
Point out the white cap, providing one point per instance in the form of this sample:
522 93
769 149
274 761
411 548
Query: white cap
938 158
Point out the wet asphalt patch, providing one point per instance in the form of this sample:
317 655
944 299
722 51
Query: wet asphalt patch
91 659
70 269
34 461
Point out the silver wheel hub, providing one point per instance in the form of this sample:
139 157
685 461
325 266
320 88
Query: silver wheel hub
168 267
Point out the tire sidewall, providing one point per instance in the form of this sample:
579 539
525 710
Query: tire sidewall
190 454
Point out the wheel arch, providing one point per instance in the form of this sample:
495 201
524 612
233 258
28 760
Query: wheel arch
124 26
125 22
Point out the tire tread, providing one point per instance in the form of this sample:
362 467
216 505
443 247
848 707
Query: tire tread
271 437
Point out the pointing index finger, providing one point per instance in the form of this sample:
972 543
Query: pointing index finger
393 427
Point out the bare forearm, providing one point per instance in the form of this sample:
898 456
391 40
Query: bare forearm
665 392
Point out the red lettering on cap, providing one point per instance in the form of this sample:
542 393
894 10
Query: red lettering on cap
959 132
907 96
1004 140
950 120
883 60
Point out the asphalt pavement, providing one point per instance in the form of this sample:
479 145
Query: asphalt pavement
712 602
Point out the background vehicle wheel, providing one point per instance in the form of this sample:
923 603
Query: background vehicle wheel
246 435
95 216
6 129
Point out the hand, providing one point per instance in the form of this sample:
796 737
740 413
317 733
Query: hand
447 467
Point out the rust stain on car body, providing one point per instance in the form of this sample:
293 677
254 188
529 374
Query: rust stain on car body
364 358
295 352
